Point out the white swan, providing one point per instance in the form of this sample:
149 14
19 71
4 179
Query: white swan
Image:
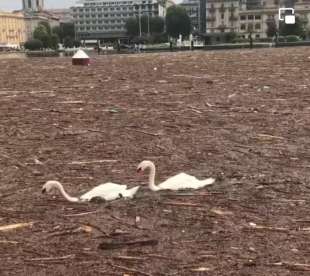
107 191
177 182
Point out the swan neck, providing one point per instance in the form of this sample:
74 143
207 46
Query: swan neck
65 195
152 185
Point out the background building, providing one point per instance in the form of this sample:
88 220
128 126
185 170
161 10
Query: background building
245 16
192 8
33 5
105 19
64 15
222 17
12 29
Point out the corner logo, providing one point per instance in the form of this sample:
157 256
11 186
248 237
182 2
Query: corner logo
289 17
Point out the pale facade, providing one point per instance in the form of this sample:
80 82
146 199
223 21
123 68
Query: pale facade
32 21
222 16
99 19
225 16
12 29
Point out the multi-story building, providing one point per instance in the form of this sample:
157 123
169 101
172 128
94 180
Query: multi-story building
64 15
105 19
222 16
192 8
32 21
12 29
254 18
248 16
33 5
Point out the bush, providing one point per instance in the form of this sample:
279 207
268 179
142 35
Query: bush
266 39
158 38
33 44
292 38
240 40
230 37
281 39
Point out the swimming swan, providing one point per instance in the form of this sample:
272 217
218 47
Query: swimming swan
107 191
177 182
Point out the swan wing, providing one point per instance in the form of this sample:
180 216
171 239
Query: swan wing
183 181
129 193
107 191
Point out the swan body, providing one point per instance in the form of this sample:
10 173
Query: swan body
178 182
108 191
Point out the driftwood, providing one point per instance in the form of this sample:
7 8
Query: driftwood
93 162
121 244
144 132
15 226
292 266
72 256
129 258
138 272
182 204
81 214
268 228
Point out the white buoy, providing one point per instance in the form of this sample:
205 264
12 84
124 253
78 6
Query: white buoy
80 58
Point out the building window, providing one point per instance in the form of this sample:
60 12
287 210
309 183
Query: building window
242 17
257 36
222 16
257 17
257 26
242 27
250 17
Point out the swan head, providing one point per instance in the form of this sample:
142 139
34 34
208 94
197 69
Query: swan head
49 185
144 165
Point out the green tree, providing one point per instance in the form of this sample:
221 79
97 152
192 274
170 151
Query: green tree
68 42
157 24
41 34
47 27
272 28
33 44
132 26
58 30
68 29
48 36
54 41
177 21
299 28
65 30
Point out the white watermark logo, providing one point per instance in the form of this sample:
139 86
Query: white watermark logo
287 18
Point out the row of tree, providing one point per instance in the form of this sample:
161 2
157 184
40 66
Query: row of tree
177 22
46 37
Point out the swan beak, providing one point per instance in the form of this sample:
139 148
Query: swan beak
139 170
43 191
